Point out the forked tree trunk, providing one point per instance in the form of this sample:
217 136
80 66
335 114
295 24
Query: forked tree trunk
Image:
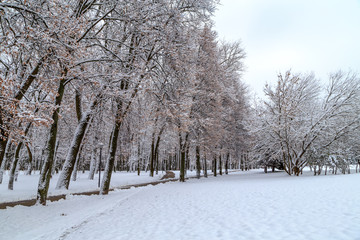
155 151
14 164
64 179
45 174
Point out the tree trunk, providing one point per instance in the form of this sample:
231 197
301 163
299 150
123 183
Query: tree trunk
157 162
45 174
3 164
205 167
30 160
92 164
214 165
198 164
152 155
155 151
241 162
64 179
182 164
187 159
227 163
220 165
182 147
54 168
3 141
13 166
139 159
3 144
16 173
105 184
76 169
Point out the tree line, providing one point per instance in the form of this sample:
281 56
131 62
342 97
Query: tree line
145 82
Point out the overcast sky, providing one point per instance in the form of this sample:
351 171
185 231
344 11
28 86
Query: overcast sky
319 36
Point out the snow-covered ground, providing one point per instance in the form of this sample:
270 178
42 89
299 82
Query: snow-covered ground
26 186
249 205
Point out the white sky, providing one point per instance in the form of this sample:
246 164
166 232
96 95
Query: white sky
319 36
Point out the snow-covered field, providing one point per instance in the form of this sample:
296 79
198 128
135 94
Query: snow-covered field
249 205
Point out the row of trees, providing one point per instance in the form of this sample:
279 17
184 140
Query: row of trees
146 81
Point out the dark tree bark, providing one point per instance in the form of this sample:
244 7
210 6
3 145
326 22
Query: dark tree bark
157 162
182 146
198 164
3 164
182 165
30 159
3 143
205 167
13 167
78 104
139 160
187 156
227 164
220 165
214 165
105 184
3 139
152 155
45 174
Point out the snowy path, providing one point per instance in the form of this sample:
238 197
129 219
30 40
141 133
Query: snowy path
239 206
